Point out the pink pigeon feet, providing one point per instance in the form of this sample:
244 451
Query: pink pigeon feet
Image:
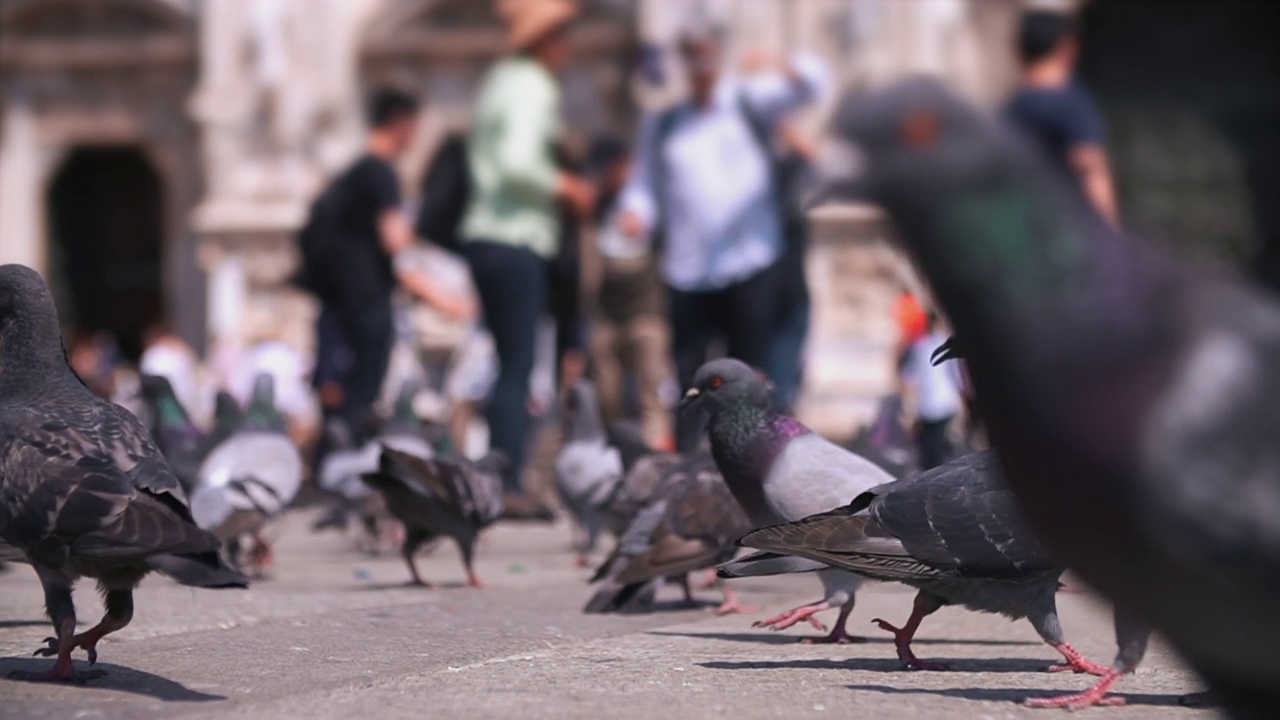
1077 663
902 640
804 613
733 605
709 580
1094 696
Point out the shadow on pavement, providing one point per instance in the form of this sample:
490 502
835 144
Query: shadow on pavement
117 677
23 623
890 665
1016 695
767 637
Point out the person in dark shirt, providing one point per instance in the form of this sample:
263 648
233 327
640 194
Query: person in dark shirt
355 328
1055 112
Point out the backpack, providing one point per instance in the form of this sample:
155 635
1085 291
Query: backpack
318 244
446 190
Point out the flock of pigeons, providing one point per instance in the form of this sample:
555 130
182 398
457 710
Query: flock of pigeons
1126 396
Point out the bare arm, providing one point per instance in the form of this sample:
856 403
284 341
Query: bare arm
397 236
1089 162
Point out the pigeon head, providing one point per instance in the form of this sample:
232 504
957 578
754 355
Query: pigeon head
30 337
582 412
155 388
726 382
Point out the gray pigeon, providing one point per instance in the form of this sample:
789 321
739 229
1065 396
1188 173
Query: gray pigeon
588 470
183 444
690 523
440 497
249 478
1129 395
83 490
227 416
954 534
780 471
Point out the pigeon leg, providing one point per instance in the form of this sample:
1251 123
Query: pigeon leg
731 602
468 547
57 601
709 580
412 539
1076 662
260 555
923 606
839 634
687 590
119 613
804 613
1094 696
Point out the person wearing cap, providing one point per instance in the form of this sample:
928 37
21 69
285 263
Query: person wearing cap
511 226
704 182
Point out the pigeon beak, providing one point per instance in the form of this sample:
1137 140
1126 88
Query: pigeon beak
946 351
690 397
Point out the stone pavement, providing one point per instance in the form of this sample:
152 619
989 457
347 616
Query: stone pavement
333 635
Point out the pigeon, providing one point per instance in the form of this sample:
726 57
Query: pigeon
780 471
227 417
690 523
886 441
182 443
437 497
84 492
588 470
249 478
954 534
1128 394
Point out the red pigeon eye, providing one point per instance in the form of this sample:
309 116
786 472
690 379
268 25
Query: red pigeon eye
716 382
920 129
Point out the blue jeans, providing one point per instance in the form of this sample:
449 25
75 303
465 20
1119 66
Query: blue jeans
785 361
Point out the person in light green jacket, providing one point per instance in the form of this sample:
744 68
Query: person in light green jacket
511 227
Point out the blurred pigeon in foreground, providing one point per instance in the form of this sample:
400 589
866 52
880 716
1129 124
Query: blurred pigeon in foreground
954 534
227 417
249 478
588 469
1131 398
690 523
437 497
83 490
780 471
184 445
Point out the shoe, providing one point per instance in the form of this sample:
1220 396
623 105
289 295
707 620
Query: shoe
520 506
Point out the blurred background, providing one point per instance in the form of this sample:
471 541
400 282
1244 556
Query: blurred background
157 157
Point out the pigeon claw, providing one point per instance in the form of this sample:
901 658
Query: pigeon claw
77 641
1077 663
1095 696
902 640
782 621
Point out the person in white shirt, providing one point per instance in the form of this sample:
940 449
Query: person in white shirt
703 181
936 391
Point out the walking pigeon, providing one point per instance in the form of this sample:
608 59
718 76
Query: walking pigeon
690 523
780 471
954 534
1130 396
183 444
83 490
588 470
249 478
440 497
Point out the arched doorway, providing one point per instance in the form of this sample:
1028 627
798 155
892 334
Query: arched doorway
106 225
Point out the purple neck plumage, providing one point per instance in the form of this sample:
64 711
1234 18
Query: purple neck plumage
745 441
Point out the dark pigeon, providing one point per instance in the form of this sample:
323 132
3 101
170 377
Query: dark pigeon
184 445
780 471
440 497
690 523
83 490
1130 396
954 534
227 416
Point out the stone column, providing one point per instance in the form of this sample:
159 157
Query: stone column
20 201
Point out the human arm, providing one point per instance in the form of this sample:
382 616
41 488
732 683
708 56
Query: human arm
1087 154
777 85
637 200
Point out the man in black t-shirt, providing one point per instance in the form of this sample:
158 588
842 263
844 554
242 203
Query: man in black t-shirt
1056 112
357 272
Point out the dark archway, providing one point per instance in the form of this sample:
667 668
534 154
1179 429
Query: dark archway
1191 91
106 222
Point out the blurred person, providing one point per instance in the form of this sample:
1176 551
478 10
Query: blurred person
630 337
703 186
166 355
935 390
511 228
356 232
1056 112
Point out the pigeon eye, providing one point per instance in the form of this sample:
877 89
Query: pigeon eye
716 382
920 129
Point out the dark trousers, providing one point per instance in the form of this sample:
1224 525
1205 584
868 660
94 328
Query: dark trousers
933 443
785 365
353 349
512 284
742 315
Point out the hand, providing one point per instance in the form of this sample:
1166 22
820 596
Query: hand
457 307
579 193
757 60
632 226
